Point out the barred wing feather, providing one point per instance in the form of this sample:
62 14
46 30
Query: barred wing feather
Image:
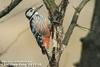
41 24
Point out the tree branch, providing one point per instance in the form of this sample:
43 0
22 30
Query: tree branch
56 15
74 22
50 5
9 8
62 7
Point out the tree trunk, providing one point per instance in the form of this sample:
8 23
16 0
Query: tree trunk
90 55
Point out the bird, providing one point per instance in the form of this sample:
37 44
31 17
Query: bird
40 28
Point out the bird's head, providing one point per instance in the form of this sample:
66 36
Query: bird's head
30 12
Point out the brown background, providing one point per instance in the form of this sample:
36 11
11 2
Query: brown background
14 32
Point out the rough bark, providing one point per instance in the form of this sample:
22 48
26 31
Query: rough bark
56 15
90 56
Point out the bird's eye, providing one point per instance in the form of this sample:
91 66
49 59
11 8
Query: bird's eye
31 10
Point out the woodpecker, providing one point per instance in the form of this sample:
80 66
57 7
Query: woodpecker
39 27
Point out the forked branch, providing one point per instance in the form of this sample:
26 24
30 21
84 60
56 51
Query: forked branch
50 5
56 15
74 22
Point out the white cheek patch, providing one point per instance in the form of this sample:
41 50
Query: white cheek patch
36 13
29 14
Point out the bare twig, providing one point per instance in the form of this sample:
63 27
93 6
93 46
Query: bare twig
51 6
9 8
74 22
